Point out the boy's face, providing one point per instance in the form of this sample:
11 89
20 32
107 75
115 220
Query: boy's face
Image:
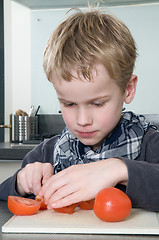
90 110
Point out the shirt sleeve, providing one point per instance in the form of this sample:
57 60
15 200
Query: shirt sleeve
143 174
41 153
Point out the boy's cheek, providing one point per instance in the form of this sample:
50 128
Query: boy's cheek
68 118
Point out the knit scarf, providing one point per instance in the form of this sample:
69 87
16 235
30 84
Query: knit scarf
124 141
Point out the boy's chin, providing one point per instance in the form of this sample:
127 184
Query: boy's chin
91 144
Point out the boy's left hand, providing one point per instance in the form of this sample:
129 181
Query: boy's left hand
82 182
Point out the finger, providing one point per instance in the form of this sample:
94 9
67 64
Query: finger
34 177
40 171
26 178
25 188
58 181
62 192
48 171
22 187
51 188
55 178
44 180
66 201
36 185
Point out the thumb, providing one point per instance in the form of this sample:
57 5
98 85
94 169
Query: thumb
44 180
48 171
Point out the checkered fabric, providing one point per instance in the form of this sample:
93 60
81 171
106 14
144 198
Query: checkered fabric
124 141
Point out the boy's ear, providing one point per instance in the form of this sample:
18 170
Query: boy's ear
130 89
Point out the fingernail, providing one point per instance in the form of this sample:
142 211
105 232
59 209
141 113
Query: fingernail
49 208
53 205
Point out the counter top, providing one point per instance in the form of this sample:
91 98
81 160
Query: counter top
10 151
49 125
5 215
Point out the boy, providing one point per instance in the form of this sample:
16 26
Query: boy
90 59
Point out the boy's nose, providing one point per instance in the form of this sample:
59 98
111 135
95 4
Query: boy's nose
84 117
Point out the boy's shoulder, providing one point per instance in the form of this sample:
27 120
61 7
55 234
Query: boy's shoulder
150 146
45 147
43 152
151 135
49 143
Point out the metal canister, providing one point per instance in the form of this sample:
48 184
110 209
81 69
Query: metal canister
24 127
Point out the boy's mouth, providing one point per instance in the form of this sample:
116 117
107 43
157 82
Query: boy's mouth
86 134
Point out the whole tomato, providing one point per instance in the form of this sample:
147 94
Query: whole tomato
112 205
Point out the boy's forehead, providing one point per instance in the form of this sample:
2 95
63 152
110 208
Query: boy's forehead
101 86
97 70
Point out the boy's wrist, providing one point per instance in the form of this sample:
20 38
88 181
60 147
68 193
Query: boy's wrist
119 171
122 172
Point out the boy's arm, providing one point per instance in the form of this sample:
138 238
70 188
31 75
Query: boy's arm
140 177
42 153
143 174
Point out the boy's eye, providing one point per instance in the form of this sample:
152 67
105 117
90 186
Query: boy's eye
98 104
68 104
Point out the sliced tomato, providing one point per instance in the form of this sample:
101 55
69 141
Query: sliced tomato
68 209
86 205
40 199
112 205
22 206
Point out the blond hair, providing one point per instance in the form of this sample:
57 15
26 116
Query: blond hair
86 38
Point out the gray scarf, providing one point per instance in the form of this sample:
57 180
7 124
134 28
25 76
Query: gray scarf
124 141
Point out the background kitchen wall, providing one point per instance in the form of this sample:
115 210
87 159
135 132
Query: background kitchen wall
142 20
17 58
26 35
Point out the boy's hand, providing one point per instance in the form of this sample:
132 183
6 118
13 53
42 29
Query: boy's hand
32 176
82 182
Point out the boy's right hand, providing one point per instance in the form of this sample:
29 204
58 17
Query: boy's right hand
32 176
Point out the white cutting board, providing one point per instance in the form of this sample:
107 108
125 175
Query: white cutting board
83 222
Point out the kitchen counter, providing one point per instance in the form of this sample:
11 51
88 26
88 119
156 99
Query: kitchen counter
5 215
11 156
49 125
10 151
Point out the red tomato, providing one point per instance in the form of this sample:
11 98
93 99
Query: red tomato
22 206
86 205
40 199
68 209
112 205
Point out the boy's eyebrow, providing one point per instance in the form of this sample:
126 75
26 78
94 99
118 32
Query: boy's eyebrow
91 100
100 98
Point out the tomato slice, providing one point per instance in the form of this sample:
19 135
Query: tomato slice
112 205
22 206
68 209
40 199
86 205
